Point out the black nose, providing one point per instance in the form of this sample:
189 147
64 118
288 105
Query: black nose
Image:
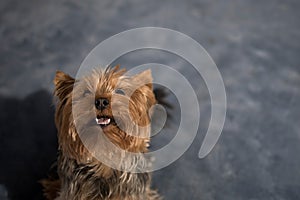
101 103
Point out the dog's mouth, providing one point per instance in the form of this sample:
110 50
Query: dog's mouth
104 121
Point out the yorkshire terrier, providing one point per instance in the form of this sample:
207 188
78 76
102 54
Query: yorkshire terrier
117 105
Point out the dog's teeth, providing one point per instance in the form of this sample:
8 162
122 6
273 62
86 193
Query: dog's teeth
103 121
107 121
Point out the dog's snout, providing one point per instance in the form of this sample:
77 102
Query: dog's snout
101 103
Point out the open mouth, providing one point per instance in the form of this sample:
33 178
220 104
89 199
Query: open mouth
104 120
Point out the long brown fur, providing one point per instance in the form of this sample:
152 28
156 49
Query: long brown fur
80 175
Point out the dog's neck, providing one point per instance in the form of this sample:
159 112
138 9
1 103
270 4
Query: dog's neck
98 180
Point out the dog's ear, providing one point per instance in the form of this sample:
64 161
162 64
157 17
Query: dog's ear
63 84
144 77
146 90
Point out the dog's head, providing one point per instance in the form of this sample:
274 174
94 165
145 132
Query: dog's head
104 101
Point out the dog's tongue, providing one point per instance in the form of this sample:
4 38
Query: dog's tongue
103 121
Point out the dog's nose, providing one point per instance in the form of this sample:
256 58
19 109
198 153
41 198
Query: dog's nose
101 103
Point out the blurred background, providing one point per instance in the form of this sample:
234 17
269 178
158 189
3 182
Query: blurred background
255 44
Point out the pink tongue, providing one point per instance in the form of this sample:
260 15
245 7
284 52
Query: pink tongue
103 121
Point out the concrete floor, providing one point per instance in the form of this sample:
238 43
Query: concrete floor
255 45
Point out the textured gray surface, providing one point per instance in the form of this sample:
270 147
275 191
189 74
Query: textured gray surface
3 193
255 44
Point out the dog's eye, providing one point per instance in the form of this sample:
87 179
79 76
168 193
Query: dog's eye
119 91
86 93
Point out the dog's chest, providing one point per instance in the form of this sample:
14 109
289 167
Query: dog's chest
83 181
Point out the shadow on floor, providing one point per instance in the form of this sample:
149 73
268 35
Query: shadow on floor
28 143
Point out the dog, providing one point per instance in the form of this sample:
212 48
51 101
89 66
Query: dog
105 106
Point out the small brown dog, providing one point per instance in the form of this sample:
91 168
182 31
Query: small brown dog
80 175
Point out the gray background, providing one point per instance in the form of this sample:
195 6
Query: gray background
255 45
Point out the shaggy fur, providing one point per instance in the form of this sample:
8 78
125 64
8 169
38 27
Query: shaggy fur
80 175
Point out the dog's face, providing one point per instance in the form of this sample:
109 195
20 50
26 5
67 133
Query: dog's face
103 101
